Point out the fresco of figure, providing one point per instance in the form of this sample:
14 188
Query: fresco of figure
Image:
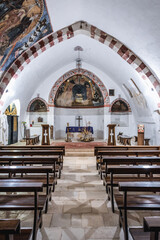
80 89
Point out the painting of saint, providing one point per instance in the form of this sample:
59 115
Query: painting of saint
38 106
22 23
79 91
119 106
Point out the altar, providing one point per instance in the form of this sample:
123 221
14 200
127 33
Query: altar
75 129
79 133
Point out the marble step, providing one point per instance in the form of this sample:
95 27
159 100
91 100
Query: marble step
79 154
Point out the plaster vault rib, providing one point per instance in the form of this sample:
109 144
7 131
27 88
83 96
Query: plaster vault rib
68 32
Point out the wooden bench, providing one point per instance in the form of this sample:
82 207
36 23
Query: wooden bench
42 177
150 230
32 160
99 152
39 147
24 152
34 139
130 174
124 139
14 202
107 161
137 201
10 230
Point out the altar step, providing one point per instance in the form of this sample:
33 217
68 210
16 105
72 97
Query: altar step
77 152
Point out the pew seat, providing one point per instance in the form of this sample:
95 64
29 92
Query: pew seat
150 230
10 229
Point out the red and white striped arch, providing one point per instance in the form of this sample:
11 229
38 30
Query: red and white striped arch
74 72
84 28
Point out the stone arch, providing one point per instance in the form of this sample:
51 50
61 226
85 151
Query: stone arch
74 72
68 32
34 99
123 100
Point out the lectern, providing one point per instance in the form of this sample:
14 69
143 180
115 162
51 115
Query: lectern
45 134
111 134
140 134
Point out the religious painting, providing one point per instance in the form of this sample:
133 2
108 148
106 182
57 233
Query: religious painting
38 106
11 110
22 23
119 106
78 91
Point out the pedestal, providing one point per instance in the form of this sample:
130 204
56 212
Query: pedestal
45 134
140 134
111 134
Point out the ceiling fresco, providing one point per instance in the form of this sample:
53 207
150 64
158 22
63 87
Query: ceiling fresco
22 23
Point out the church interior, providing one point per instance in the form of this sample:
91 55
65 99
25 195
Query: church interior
79 119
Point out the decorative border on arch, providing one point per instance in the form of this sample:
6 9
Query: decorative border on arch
74 72
122 99
68 32
37 98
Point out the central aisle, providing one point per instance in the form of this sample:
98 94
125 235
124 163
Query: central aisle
79 209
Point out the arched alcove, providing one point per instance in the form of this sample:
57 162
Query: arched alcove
37 110
120 110
79 93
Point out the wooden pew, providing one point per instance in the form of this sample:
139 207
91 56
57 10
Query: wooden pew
38 147
24 152
128 172
10 230
24 202
150 230
136 202
45 179
31 160
119 160
34 139
100 151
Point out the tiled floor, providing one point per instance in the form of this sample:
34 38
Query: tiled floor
79 209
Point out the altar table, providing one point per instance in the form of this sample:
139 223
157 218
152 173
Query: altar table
78 129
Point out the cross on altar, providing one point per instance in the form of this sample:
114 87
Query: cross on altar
79 119
45 134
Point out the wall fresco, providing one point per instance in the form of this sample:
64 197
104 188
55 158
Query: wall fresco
78 91
22 23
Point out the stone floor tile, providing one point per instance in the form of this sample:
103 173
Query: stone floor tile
76 220
98 206
92 220
102 233
61 220
73 234
51 233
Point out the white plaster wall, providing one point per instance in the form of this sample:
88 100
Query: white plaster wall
62 116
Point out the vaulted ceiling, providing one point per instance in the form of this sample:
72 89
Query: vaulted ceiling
133 24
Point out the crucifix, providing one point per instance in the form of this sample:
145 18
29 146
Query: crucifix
111 134
45 134
79 119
